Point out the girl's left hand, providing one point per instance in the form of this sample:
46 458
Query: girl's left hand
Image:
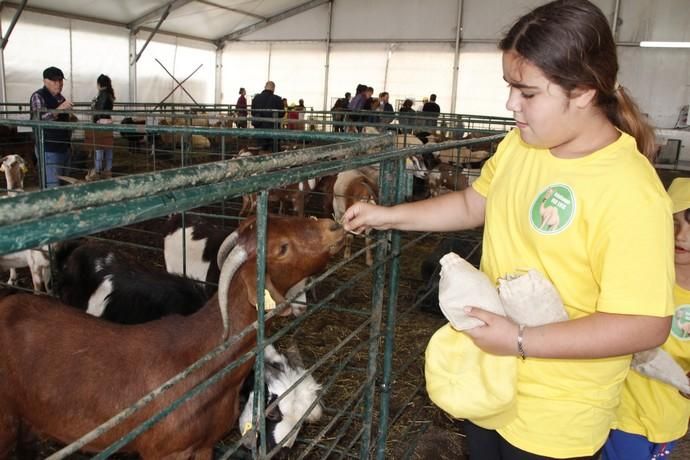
498 336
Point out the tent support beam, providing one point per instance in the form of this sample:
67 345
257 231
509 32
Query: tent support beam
326 105
153 32
456 59
272 20
15 18
164 10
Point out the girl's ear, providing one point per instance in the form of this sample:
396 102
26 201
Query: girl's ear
583 97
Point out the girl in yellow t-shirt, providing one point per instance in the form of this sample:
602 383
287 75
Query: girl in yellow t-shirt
568 194
653 415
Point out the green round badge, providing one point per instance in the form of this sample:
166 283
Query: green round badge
680 327
553 209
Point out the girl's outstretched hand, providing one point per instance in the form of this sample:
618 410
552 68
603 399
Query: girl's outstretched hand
498 336
364 216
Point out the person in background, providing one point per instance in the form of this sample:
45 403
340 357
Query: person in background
241 107
571 193
56 143
431 110
268 105
409 119
102 140
652 415
340 106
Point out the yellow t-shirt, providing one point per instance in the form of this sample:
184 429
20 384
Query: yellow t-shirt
654 409
600 229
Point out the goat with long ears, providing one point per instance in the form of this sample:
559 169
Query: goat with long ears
46 347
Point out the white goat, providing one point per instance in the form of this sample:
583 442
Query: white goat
37 260
280 374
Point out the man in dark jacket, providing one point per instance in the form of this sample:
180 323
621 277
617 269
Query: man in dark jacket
431 110
56 141
267 105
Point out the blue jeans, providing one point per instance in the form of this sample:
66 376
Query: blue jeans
628 446
54 166
100 154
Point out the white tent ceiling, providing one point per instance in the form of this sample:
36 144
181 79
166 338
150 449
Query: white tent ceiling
210 20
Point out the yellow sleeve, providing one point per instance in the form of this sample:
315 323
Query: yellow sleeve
633 256
483 183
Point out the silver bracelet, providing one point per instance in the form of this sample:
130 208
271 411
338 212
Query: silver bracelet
520 348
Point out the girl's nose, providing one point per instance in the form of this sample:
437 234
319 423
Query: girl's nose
513 102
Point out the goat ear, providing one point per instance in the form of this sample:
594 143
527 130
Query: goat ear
2 168
249 279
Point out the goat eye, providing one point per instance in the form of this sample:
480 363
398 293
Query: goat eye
284 249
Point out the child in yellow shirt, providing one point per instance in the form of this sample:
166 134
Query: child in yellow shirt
653 415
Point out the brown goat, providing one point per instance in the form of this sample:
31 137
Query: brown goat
63 372
350 187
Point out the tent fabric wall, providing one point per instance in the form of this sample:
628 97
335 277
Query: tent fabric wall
414 39
181 57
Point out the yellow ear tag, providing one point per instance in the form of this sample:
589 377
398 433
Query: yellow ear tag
247 426
23 169
269 303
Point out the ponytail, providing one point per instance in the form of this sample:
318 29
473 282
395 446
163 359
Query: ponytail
625 114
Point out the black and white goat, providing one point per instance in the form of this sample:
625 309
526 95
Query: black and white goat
37 260
106 284
281 372
206 245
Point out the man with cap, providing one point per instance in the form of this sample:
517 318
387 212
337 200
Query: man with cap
652 415
56 141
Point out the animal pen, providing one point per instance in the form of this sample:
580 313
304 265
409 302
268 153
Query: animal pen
362 336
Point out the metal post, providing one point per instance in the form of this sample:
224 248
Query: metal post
261 241
132 67
614 22
326 105
71 62
3 85
391 46
456 59
219 74
389 337
268 70
386 184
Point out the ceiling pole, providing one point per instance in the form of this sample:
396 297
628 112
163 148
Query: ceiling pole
614 22
169 7
15 18
153 32
272 20
456 60
326 105
132 67
218 98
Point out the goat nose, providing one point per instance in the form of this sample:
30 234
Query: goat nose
335 226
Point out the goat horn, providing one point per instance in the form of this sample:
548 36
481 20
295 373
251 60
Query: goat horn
236 258
228 243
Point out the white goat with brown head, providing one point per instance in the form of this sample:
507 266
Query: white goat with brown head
37 260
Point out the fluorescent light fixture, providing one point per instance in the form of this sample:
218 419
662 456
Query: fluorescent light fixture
665 44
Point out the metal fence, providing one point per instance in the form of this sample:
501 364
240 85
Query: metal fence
350 327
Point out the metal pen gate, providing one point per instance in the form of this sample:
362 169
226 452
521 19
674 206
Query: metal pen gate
359 426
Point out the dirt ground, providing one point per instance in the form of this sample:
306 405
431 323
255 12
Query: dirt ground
417 430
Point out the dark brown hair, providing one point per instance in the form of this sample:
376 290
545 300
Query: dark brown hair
571 42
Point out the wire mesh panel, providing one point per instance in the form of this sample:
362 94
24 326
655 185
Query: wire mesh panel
354 387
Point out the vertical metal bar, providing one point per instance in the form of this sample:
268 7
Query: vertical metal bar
268 70
389 337
261 235
326 105
388 59
71 64
184 244
386 180
132 67
219 74
40 139
614 22
456 59
3 85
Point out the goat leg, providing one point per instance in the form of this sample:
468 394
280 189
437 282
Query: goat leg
13 277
